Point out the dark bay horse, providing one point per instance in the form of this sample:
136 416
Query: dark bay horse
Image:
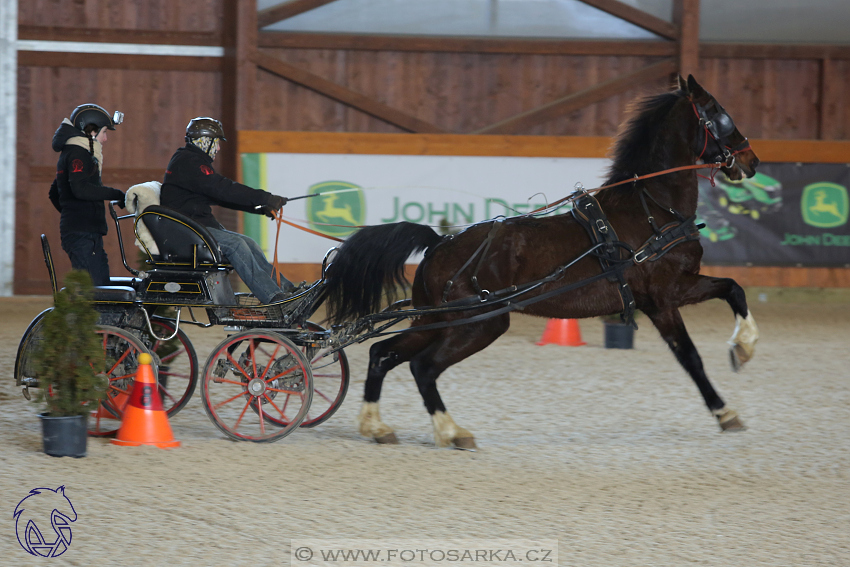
669 130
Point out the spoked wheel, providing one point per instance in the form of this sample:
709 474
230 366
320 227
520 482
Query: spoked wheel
121 350
178 365
330 380
263 371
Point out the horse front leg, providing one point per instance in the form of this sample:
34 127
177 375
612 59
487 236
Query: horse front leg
669 323
746 333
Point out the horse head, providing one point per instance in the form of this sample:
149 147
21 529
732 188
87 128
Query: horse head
719 140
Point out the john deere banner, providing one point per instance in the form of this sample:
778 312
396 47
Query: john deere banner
787 214
442 191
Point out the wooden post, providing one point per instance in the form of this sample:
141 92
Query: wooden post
238 87
686 18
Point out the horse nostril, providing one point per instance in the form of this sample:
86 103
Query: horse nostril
755 163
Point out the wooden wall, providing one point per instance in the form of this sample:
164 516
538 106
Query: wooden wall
459 92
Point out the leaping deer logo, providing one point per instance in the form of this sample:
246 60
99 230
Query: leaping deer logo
61 512
331 211
821 207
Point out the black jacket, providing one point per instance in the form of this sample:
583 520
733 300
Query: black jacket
191 186
77 192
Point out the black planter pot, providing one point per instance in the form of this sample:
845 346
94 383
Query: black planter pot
618 335
64 436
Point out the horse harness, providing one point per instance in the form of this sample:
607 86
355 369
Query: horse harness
589 214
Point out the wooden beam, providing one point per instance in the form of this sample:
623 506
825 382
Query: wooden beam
264 141
147 37
286 10
686 17
578 100
636 17
119 61
343 94
458 44
773 51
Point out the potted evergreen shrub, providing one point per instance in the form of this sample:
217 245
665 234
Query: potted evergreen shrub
69 362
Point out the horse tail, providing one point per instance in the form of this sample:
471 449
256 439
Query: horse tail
370 265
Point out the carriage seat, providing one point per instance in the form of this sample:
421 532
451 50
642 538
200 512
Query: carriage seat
182 242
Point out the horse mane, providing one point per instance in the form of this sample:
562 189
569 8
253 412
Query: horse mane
636 149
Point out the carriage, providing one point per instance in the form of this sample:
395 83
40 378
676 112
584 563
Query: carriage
643 254
275 371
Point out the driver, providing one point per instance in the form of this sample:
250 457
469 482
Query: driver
78 193
191 186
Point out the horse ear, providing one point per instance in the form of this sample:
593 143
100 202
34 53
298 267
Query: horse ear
683 86
694 86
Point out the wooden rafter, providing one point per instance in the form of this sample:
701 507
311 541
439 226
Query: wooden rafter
458 44
773 51
287 10
119 61
579 100
636 17
343 94
150 37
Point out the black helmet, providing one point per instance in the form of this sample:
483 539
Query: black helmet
86 114
204 126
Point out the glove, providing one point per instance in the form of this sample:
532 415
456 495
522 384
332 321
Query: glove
276 202
120 198
269 212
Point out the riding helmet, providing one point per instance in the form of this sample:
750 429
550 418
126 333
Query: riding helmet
204 126
86 114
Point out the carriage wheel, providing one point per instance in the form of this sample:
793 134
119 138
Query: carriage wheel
330 380
121 350
263 371
178 365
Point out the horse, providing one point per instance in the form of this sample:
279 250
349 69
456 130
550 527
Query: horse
676 128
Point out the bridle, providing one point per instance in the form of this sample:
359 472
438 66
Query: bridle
718 126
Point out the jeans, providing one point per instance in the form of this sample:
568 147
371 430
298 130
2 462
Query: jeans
85 249
249 261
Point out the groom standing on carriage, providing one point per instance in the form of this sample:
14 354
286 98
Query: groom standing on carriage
191 186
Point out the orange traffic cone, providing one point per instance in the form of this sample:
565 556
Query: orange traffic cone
145 422
564 332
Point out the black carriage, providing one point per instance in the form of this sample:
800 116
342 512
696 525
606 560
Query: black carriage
275 371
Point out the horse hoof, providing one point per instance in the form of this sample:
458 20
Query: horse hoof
388 439
466 443
738 357
733 424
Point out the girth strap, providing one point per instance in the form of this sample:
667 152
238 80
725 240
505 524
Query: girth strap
588 213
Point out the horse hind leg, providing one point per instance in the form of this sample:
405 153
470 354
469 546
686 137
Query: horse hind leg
672 329
383 357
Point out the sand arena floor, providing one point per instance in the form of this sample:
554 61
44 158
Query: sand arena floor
611 453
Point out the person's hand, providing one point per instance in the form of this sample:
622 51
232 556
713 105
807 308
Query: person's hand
120 198
276 202
268 212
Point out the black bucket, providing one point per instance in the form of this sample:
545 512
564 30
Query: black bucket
618 335
64 436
